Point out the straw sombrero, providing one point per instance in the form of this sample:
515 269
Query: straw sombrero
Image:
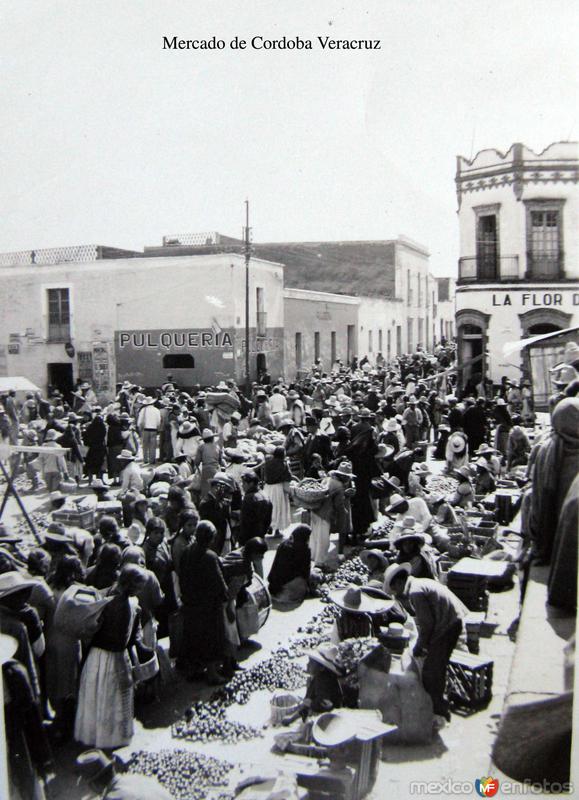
355 601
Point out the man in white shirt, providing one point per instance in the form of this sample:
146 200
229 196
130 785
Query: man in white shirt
149 422
277 402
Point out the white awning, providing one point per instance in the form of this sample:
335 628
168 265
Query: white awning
19 384
512 347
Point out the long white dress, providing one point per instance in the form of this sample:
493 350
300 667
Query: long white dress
319 539
281 517
105 711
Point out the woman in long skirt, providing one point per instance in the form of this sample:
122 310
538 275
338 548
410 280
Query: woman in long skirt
204 595
105 713
208 459
277 480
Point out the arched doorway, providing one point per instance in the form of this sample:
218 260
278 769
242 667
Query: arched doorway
538 359
471 328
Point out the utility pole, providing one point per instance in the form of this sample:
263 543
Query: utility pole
246 239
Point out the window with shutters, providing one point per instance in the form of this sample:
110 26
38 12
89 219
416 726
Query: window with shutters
545 239
58 315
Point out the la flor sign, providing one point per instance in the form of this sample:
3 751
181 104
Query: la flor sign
533 299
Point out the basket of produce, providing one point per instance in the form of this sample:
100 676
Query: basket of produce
283 704
310 493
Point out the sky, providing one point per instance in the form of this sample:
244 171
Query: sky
106 138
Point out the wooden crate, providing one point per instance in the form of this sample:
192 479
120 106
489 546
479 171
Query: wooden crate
469 680
75 517
484 528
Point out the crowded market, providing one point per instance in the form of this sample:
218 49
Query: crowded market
330 571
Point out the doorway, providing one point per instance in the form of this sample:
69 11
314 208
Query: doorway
261 364
60 377
350 343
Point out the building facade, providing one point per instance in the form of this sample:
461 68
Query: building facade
395 270
318 325
519 259
111 319
108 315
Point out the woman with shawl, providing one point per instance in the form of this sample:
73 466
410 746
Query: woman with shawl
361 453
556 467
289 577
105 713
63 646
204 594
277 480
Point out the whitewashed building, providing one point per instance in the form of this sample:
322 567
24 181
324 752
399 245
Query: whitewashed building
519 258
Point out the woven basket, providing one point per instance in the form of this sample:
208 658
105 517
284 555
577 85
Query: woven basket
146 670
310 494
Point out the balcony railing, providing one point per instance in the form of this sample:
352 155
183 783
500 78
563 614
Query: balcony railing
504 269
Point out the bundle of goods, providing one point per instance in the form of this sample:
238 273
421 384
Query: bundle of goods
310 493
273 439
246 452
275 672
469 680
185 775
223 403
207 722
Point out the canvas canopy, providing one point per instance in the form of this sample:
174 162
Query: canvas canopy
18 383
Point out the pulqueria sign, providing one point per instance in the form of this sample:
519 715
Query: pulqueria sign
177 339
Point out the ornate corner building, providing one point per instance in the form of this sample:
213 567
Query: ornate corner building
518 271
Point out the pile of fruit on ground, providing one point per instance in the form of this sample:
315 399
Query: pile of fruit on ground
186 775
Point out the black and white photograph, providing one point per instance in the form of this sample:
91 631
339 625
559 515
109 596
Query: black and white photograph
289 399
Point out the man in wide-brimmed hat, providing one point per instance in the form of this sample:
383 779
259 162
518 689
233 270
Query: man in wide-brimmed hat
256 509
484 482
439 617
463 497
130 475
216 508
53 466
376 562
412 545
149 424
98 770
491 457
353 600
341 491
